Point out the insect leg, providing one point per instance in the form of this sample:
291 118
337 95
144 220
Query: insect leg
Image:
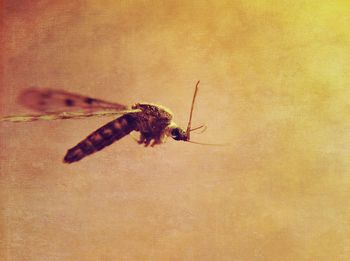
147 140
142 139
155 142
158 139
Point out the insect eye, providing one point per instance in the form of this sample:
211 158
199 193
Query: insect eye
175 134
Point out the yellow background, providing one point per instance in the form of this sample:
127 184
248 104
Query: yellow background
275 86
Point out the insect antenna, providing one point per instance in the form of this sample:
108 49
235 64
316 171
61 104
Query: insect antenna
188 130
197 128
207 144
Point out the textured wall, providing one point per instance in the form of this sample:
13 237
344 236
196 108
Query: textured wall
274 85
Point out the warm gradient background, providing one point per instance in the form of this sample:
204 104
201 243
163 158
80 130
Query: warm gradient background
275 85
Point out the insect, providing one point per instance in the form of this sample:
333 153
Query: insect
154 122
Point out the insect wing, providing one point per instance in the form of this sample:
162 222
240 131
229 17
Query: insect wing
64 115
50 100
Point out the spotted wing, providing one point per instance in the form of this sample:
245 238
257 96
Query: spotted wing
64 115
102 137
50 100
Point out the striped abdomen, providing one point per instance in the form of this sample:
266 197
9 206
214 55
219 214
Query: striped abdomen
101 138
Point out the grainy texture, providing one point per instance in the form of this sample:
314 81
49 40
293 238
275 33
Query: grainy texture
274 84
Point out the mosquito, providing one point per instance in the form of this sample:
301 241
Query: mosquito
154 122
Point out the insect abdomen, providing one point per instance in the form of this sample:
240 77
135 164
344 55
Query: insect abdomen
101 138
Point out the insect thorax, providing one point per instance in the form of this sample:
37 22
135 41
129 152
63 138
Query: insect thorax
153 118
